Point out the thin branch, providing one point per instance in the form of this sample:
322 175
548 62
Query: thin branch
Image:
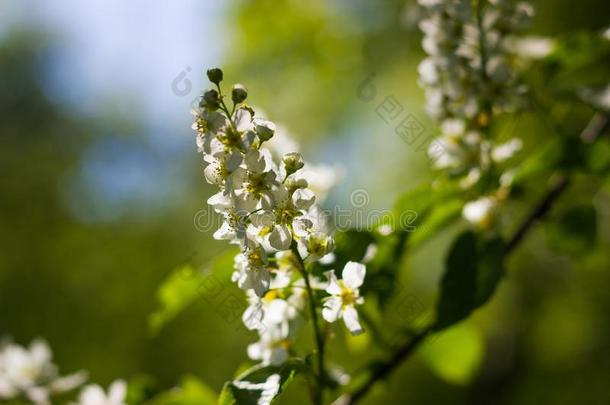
319 339
598 124
382 371
538 212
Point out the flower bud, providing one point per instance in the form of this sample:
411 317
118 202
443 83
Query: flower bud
210 100
215 75
264 129
293 162
294 184
481 212
239 94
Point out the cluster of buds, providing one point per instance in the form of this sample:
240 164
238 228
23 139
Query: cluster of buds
270 212
469 77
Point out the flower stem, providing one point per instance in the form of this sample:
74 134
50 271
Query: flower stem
224 108
319 339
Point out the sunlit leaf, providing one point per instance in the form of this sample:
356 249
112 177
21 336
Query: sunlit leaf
540 161
419 199
183 287
456 354
191 391
440 217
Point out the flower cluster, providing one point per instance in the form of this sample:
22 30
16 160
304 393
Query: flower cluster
29 373
469 77
270 211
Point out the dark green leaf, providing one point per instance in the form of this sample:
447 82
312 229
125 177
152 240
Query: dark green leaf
351 245
473 269
598 157
574 231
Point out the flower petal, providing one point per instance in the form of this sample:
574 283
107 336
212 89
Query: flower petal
353 274
280 238
333 287
117 392
350 317
332 309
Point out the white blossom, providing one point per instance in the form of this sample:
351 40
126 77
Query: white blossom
344 296
29 372
268 198
470 76
94 394
531 47
272 348
480 212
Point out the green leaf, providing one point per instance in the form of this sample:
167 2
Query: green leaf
574 231
598 157
183 287
424 211
140 388
579 58
456 354
191 391
440 216
418 199
473 269
543 160
261 384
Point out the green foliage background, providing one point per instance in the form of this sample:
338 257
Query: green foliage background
90 288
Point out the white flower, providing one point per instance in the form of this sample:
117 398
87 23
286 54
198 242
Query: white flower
453 128
428 72
32 374
452 156
251 270
272 348
94 394
268 311
222 167
303 198
268 200
531 47
505 151
315 245
345 295
264 129
480 212
473 176
280 238
236 209
320 178
464 88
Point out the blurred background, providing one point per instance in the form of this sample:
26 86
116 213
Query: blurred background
100 182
